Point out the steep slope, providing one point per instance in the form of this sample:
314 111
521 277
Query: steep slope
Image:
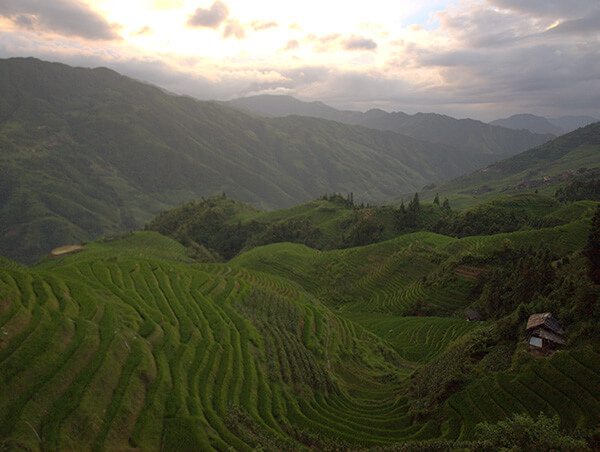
87 152
570 159
128 345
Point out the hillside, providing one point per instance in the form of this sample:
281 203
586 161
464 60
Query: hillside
570 163
85 152
131 344
467 134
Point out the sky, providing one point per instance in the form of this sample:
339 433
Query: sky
484 59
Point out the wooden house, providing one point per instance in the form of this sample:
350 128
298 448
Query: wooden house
544 332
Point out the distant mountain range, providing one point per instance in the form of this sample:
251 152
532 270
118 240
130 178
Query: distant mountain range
85 152
539 124
467 134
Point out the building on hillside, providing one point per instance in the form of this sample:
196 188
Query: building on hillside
473 316
544 332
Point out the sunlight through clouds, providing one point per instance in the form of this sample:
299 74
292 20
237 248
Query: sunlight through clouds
447 56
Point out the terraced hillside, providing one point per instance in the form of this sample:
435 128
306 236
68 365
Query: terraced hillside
558 163
131 344
118 348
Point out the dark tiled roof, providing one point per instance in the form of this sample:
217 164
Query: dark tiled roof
546 321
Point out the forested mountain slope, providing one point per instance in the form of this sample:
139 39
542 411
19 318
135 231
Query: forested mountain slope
85 152
569 164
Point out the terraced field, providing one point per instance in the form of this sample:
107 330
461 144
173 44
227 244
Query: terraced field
567 385
417 339
119 352
131 345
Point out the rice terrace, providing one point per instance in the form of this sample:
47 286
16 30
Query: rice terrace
269 274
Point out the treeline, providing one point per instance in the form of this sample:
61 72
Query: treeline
209 229
580 189
205 228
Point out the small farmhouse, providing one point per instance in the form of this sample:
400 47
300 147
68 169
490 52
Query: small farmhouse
544 332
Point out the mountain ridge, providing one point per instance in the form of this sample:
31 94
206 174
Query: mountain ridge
465 133
87 152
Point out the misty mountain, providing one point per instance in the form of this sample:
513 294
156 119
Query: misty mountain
476 136
570 123
281 106
539 124
86 152
535 124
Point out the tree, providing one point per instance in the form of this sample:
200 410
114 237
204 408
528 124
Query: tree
592 249
523 433
436 200
446 205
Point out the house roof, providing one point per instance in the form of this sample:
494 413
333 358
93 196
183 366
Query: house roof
545 334
545 320
473 315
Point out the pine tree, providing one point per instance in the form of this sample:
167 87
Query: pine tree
436 200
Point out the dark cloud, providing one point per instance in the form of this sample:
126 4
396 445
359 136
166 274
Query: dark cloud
257 25
359 43
234 29
548 8
64 17
211 17
584 26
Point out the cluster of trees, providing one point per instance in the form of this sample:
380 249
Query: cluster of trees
491 219
524 280
580 189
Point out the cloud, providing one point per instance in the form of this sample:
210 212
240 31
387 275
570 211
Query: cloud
359 43
144 31
211 17
257 25
63 17
584 26
336 42
548 8
292 44
295 27
477 58
234 29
